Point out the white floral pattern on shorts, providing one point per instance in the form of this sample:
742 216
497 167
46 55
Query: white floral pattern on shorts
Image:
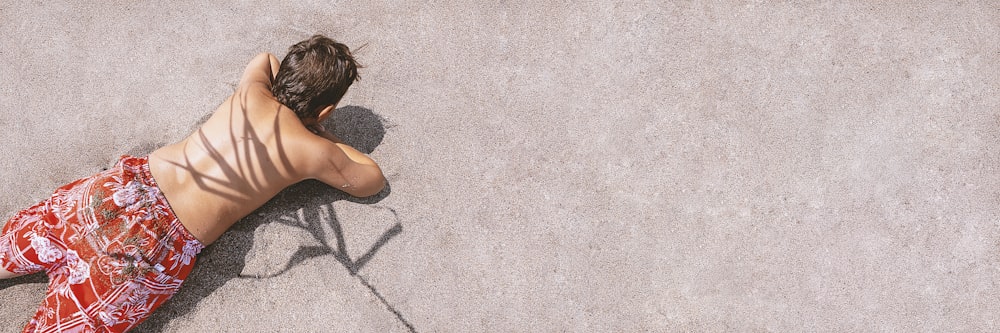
111 245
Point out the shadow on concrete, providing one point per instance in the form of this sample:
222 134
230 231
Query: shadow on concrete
225 259
39 277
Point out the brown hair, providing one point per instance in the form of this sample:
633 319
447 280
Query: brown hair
314 74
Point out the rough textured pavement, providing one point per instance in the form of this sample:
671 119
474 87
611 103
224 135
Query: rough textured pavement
558 165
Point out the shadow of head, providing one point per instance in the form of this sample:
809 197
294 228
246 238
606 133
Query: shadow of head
358 127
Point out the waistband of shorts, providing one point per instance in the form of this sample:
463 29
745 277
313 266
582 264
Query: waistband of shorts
177 233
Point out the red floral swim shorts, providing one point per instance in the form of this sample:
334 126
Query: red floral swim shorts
111 246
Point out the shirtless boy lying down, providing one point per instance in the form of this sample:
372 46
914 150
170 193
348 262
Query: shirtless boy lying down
118 244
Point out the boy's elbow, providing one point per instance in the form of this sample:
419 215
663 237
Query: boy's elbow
376 188
370 185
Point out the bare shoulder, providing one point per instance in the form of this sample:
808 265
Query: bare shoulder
298 148
338 165
306 151
257 98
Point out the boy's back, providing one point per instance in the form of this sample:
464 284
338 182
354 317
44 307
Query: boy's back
118 244
250 149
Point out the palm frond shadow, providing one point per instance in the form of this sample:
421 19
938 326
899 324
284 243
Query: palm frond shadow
225 259
325 223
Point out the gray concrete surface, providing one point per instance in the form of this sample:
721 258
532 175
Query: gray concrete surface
596 166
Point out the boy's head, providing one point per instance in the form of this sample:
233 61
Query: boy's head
314 74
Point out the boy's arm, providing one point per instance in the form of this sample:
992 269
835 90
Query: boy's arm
275 64
346 168
260 71
343 167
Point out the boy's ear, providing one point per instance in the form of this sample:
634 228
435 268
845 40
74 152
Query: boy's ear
325 112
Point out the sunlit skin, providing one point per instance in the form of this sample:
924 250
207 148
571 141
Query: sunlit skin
250 149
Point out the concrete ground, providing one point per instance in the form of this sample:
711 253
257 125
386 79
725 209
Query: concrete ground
596 166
